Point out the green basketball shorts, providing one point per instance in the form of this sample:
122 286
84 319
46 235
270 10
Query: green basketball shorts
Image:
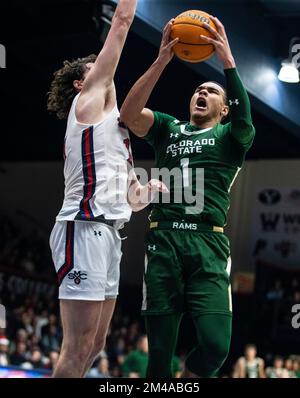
186 271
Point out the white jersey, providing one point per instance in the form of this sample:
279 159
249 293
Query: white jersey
97 161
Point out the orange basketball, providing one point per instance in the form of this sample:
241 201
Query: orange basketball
188 27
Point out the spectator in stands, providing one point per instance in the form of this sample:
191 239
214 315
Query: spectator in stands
135 364
52 320
27 319
277 370
4 343
36 359
102 369
41 321
50 340
296 367
132 335
249 366
288 366
53 358
21 337
118 349
20 354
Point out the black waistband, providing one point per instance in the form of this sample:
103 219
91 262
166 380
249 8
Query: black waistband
102 219
185 226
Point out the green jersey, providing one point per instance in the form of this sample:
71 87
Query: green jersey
209 159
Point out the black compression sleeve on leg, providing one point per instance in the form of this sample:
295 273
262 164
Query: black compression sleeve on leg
213 335
162 331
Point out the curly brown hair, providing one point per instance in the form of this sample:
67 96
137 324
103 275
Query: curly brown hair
62 91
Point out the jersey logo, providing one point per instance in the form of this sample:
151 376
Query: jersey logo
96 233
174 135
78 276
152 247
127 144
184 225
235 102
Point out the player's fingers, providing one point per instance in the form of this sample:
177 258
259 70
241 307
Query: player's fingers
156 185
163 188
172 43
168 26
219 25
212 30
216 43
166 33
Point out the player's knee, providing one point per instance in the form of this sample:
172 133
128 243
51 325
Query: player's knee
78 350
98 346
208 358
218 353
216 350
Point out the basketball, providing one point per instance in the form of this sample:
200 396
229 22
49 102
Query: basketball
188 27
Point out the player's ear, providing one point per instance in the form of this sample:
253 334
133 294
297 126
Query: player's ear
224 111
78 84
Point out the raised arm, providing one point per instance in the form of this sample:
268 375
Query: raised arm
105 66
133 112
240 112
98 95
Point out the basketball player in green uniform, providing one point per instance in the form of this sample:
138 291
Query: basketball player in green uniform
187 254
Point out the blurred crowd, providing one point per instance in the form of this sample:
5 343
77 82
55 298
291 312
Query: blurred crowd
23 251
252 366
33 336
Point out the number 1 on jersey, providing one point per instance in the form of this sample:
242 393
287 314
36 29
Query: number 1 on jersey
184 163
198 199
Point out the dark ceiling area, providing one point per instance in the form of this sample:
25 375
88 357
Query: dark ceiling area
284 16
39 36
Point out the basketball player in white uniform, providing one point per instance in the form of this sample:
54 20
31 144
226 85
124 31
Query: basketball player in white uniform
85 242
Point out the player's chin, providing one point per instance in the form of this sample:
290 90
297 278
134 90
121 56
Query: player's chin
199 114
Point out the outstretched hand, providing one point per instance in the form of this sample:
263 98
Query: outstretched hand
166 47
220 42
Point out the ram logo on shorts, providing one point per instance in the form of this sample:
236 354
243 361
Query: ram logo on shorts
78 276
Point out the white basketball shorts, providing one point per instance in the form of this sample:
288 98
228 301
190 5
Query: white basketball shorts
87 259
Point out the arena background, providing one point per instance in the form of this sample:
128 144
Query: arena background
264 219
